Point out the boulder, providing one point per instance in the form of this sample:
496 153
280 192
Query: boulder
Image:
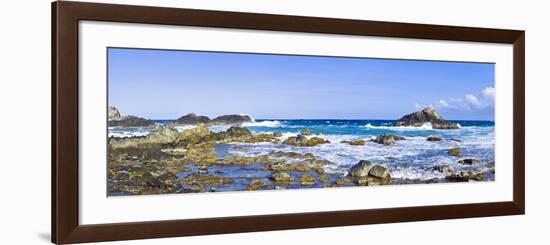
455 151
466 176
379 171
163 135
277 134
113 114
387 139
361 169
301 140
231 119
467 161
305 131
427 115
131 121
434 138
191 119
194 135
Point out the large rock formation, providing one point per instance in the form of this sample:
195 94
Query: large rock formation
116 120
113 113
427 115
231 119
191 119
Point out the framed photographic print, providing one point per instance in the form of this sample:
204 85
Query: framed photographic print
175 122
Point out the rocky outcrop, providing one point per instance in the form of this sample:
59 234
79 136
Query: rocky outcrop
113 113
231 119
387 139
301 140
131 122
115 119
427 115
307 179
191 119
466 177
281 177
365 168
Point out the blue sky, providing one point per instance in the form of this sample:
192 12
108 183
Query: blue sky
165 84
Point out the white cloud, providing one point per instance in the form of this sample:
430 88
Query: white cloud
443 103
472 100
489 94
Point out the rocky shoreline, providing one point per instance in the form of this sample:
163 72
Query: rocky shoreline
197 160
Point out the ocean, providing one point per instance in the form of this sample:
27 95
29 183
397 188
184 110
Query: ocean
408 159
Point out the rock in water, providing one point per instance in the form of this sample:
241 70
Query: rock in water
131 121
301 140
379 171
455 152
434 138
307 179
281 177
387 139
361 169
231 119
427 115
191 119
306 131
468 161
113 114
277 134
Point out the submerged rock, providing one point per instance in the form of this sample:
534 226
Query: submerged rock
427 115
434 138
191 119
387 139
305 131
231 119
356 142
467 161
455 151
255 185
281 177
307 179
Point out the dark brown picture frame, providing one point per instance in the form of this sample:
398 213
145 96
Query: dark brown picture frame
65 207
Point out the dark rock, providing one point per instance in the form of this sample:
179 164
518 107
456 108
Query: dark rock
305 131
434 138
428 115
465 177
131 121
467 161
191 119
277 134
231 119
445 169
387 139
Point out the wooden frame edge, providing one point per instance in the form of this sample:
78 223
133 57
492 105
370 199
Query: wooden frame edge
65 224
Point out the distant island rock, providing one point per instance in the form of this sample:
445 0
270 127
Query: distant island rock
231 119
115 119
427 115
192 119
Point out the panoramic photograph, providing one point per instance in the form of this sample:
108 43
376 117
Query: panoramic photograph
197 121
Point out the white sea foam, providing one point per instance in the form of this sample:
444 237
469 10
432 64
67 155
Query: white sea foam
425 126
126 134
272 124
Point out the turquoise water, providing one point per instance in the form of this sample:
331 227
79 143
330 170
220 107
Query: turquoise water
412 158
